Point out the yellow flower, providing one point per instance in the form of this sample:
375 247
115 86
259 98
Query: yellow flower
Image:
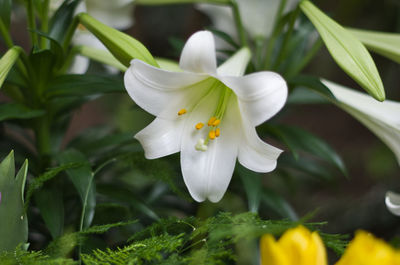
297 246
365 249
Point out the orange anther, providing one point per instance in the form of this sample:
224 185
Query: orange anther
216 122
211 135
211 121
181 112
199 125
217 132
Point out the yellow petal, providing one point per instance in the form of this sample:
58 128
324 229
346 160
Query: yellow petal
271 252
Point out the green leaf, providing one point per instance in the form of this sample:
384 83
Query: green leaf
5 12
122 46
313 83
7 61
84 85
298 139
253 187
278 204
82 178
348 52
102 56
13 221
52 211
385 44
165 2
62 19
10 111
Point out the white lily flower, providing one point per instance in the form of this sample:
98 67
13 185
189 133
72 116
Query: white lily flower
392 201
258 16
116 13
207 114
382 118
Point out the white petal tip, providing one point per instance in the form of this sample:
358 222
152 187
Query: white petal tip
392 201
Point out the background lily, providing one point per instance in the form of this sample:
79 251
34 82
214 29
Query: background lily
297 246
258 16
207 114
382 118
117 14
392 202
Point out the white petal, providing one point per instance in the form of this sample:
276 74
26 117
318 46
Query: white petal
163 93
382 118
261 95
392 201
161 137
79 65
255 154
198 54
207 173
235 65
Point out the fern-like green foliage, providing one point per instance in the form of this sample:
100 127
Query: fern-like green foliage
20 256
171 241
193 241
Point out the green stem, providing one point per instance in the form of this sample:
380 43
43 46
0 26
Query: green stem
283 50
43 141
6 35
238 22
32 22
45 23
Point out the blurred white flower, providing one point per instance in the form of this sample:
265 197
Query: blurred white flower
382 118
258 16
207 114
392 201
114 13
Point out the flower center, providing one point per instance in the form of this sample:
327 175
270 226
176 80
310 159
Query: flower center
214 122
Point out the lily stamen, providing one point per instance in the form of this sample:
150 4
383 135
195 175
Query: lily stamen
216 122
212 135
181 112
211 121
217 132
199 125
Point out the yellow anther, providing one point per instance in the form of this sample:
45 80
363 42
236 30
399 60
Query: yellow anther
216 122
181 112
211 121
211 135
217 132
199 125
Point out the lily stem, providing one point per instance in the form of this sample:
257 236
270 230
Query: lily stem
238 22
32 22
45 22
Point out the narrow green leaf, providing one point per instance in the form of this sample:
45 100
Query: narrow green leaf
348 52
122 46
61 20
7 61
13 221
278 204
52 211
16 111
385 44
253 187
298 139
82 178
5 12
166 2
84 85
313 83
